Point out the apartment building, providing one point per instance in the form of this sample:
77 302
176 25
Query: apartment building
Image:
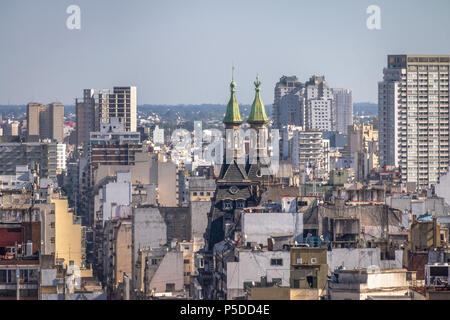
112 145
319 113
414 117
308 150
98 107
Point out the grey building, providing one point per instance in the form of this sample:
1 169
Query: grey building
32 154
201 191
289 103
342 108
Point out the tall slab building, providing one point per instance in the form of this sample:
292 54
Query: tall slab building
46 122
342 109
414 117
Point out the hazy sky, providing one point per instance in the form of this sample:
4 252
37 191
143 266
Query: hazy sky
181 51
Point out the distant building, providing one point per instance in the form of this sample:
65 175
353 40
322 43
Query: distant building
88 117
343 109
12 128
287 111
46 122
158 135
319 113
289 103
98 108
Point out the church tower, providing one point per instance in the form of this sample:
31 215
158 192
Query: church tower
234 190
258 136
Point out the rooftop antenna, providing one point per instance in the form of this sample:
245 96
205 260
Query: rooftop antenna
232 71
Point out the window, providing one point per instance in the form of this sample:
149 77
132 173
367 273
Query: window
154 262
299 260
3 276
186 261
170 287
277 281
227 205
276 262
313 260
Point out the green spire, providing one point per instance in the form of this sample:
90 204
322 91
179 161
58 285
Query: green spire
232 116
258 112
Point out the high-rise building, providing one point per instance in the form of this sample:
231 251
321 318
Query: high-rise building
289 103
414 117
99 107
120 103
319 105
342 109
87 117
46 122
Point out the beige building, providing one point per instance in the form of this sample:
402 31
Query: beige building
414 117
68 237
363 284
116 254
46 122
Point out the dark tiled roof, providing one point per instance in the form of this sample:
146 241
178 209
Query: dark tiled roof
233 172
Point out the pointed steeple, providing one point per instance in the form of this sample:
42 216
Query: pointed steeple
233 115
258 112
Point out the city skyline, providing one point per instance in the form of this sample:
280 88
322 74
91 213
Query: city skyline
176 53
224 151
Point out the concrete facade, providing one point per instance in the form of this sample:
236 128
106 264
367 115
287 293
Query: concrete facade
252 265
